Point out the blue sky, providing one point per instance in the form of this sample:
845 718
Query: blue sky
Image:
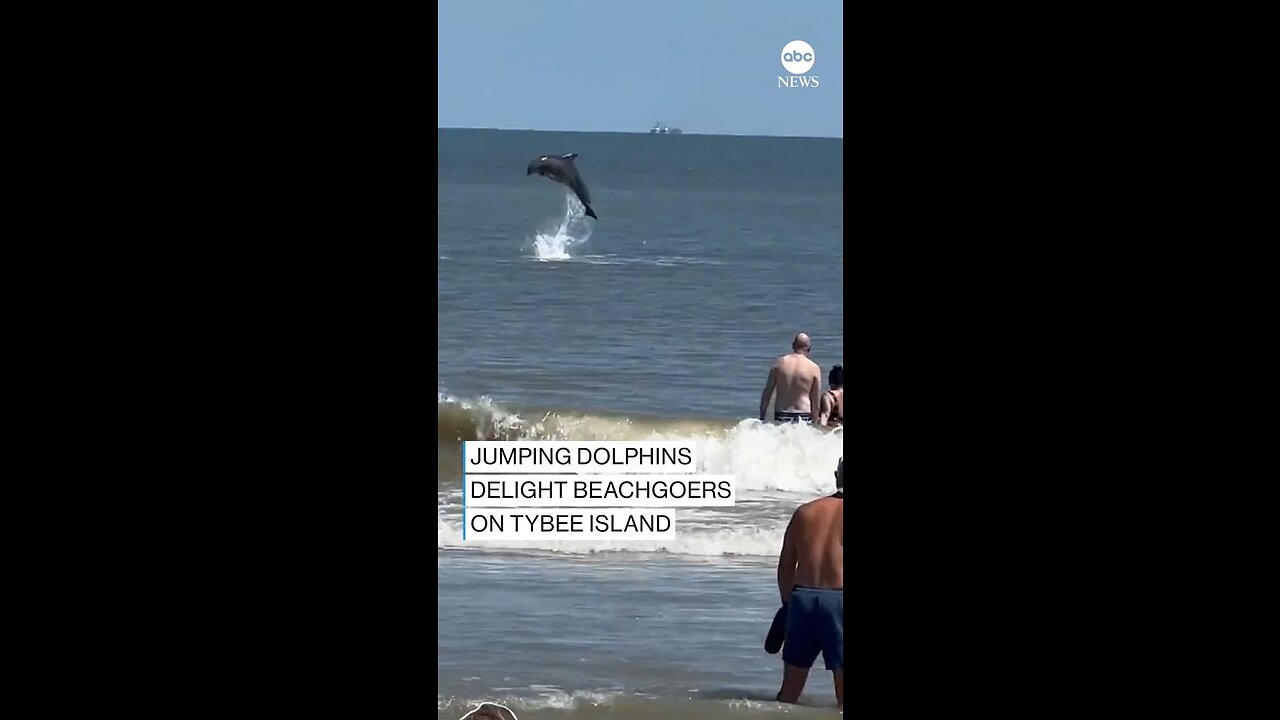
708 66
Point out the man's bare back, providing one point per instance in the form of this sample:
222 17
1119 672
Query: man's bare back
811 583
814 542
797 381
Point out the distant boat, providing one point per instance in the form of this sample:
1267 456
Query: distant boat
660 129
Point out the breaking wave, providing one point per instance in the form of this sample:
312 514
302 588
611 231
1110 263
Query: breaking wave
774 467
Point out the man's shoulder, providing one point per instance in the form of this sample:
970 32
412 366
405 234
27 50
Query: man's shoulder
817 504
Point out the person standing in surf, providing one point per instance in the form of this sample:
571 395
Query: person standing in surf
831 413
811 582
798 382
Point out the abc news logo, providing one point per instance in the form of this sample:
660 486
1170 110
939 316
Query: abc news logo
797 59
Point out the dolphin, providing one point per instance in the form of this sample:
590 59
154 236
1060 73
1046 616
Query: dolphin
562 170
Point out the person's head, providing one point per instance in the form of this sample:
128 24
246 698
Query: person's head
490 711
836 377
801 344
840 475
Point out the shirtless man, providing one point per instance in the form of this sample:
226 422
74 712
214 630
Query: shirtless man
798 381
811 581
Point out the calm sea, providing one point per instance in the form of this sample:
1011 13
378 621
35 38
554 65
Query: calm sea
657 321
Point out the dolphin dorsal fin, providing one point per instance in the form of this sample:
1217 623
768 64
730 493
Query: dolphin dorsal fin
569 157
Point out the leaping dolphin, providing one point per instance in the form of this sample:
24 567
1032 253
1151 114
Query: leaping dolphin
562 170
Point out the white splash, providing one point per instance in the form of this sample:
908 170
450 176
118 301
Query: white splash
573 231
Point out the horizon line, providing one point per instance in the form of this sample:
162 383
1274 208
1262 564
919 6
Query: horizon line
644 132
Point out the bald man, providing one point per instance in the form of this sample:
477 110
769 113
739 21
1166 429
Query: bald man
811 583
798 382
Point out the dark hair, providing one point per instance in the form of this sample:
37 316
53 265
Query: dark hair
836 377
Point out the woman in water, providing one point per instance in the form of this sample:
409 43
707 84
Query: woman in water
832 412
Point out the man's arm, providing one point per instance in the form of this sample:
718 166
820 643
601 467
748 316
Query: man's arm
787 562
815 396
769 386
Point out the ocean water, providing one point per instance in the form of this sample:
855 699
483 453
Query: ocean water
659 320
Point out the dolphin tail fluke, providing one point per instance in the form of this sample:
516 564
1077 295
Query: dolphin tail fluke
591 213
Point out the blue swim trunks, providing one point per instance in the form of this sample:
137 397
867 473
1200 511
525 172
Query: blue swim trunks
815 623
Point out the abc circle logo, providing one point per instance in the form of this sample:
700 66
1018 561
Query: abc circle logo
797 57
490 711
